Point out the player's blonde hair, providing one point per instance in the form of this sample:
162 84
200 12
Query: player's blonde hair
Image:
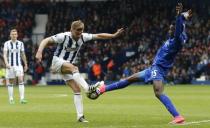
76 24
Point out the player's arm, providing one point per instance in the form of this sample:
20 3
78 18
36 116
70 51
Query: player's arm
5 56
108 35
181 17
23 56
42 45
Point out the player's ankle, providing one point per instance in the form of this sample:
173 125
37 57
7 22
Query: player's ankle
102 89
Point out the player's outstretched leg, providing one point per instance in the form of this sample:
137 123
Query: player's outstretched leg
114 86
102 88
158 89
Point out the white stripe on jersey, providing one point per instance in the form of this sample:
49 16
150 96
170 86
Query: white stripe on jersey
14 50
68 48
62 52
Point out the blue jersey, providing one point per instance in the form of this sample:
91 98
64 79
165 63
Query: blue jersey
166 54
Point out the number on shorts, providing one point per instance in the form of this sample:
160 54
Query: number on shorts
154 73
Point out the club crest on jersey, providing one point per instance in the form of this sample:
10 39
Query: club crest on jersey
70 49
167 44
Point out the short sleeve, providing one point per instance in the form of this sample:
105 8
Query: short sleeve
22 47
5 46
58 38
87 36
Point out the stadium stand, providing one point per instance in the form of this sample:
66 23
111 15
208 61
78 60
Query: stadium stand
146 24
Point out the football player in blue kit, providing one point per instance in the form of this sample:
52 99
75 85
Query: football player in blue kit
163 61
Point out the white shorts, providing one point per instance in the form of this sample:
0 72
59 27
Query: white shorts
56 67
14 71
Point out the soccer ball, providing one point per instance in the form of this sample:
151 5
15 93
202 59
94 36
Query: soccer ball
92 95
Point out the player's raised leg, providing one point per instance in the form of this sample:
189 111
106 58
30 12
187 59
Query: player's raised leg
158 90
68 68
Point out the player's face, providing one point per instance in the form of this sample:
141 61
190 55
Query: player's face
171 30
77 32
13 35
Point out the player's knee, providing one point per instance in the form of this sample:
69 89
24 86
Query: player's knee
157 95
157 92
70 69
76 89
76 69
132 79
20 80
10 82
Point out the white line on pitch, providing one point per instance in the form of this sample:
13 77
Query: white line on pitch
60 95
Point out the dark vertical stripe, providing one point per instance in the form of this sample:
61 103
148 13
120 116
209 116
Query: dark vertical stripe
17 64
60 47
77 45
74 54
82 39
11 54
68 46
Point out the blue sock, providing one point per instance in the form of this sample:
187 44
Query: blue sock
169 105
117 85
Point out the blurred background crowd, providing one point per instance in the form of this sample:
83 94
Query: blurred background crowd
146 23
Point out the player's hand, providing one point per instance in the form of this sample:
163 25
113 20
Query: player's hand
187 14
119 32
39 56
8 66
179 8
25 68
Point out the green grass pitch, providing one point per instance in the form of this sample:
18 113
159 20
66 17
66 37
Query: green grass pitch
132 107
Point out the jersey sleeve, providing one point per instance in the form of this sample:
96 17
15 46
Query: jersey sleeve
22 47
179 26
5 46
87 36
58 38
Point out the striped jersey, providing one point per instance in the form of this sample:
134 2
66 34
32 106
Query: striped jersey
14 50
67 47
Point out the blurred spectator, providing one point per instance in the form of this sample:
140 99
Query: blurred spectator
145 31
146 24
97 71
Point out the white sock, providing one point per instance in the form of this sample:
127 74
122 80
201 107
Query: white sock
78 104
21 90
10 91
81 81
